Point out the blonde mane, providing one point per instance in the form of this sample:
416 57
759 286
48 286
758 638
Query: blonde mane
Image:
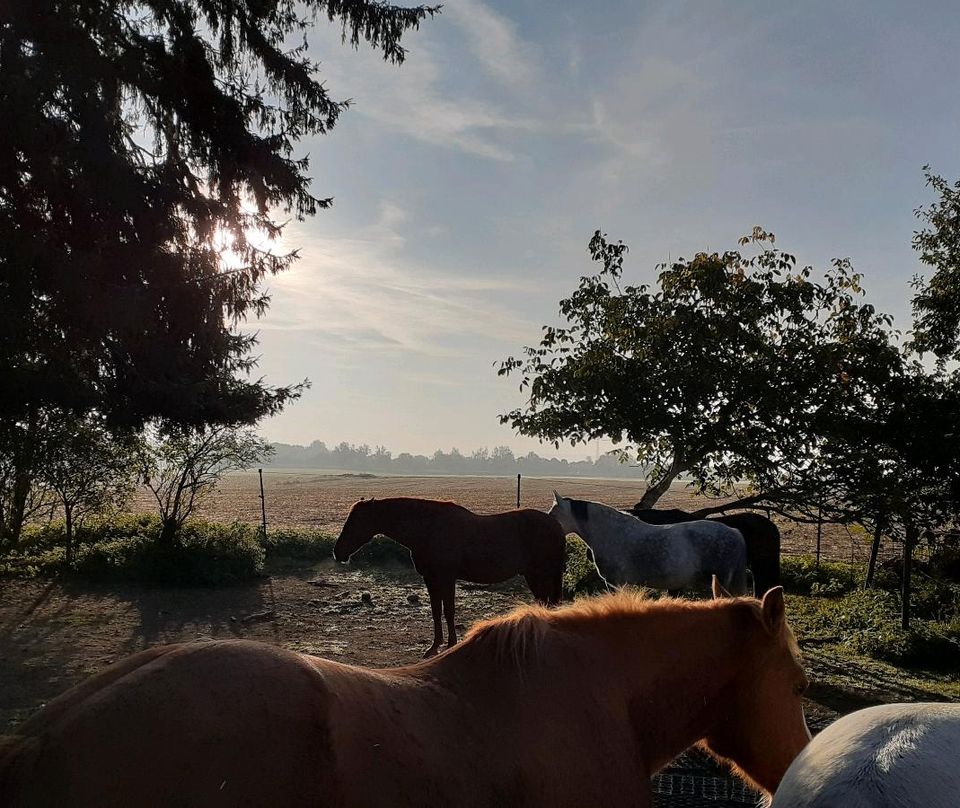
517 637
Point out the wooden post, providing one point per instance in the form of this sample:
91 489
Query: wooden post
874 551
819 530
263 505
518 490
909 540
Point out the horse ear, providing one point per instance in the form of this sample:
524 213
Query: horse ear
718 591
774 610
556 496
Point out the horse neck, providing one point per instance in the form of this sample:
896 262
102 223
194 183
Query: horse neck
401 520
666 701
675 695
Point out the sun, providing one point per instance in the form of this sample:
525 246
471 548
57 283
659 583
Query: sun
257 238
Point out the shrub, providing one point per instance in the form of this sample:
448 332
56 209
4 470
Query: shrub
126 547
580 576
868 623
802 576
297 544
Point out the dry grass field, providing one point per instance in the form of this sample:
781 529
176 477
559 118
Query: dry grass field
321 500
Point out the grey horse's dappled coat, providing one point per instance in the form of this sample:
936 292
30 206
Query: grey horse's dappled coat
669 557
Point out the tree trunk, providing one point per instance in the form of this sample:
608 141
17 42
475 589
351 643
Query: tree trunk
874 552
68 526
168 533
660 487
909 540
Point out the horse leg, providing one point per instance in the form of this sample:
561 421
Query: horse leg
449 595
436 606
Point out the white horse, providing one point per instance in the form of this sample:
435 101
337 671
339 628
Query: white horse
891 756
671 557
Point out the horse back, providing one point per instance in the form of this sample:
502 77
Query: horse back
888 756
212 723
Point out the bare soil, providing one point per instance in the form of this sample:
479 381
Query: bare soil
55 634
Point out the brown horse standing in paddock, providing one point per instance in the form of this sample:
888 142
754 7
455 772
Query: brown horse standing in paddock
570 707
449 543
760 534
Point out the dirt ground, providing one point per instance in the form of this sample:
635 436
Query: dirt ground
55 634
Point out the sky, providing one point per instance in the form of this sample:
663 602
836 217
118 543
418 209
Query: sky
468 181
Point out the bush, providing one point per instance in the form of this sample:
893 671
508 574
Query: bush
296 544
126 547
802 576
580 576
867 622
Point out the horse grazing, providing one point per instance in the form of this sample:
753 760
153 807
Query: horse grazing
449 543
890 756
761 535
670 557
544 707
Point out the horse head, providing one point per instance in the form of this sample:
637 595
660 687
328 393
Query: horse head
763 728
567 513
357 530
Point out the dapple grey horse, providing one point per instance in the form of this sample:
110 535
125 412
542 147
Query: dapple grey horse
889 756
670 557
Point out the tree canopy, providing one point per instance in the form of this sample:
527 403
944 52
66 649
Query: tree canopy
142 138
936 306
726 371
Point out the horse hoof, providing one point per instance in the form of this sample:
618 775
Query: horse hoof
431 652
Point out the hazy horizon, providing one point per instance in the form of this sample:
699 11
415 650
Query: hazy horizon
468 181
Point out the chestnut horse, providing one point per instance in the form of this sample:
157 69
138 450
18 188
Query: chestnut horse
449 543
761 535
544 707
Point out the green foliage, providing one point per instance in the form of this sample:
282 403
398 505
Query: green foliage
126 548
182 467
141 141
801 575
936 305
298 545
580 576
727 370
868 621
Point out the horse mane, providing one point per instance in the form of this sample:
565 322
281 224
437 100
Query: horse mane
517 638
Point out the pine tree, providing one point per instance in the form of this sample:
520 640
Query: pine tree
139 137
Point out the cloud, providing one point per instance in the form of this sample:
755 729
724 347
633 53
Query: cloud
424 99
495 43
360 293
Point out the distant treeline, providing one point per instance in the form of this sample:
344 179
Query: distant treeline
499 461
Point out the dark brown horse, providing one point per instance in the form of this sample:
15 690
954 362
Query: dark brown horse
559 708
761 536
448 543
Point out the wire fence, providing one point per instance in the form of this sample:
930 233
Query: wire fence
322 499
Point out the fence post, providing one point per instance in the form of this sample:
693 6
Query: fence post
819 530
263 505
518 490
